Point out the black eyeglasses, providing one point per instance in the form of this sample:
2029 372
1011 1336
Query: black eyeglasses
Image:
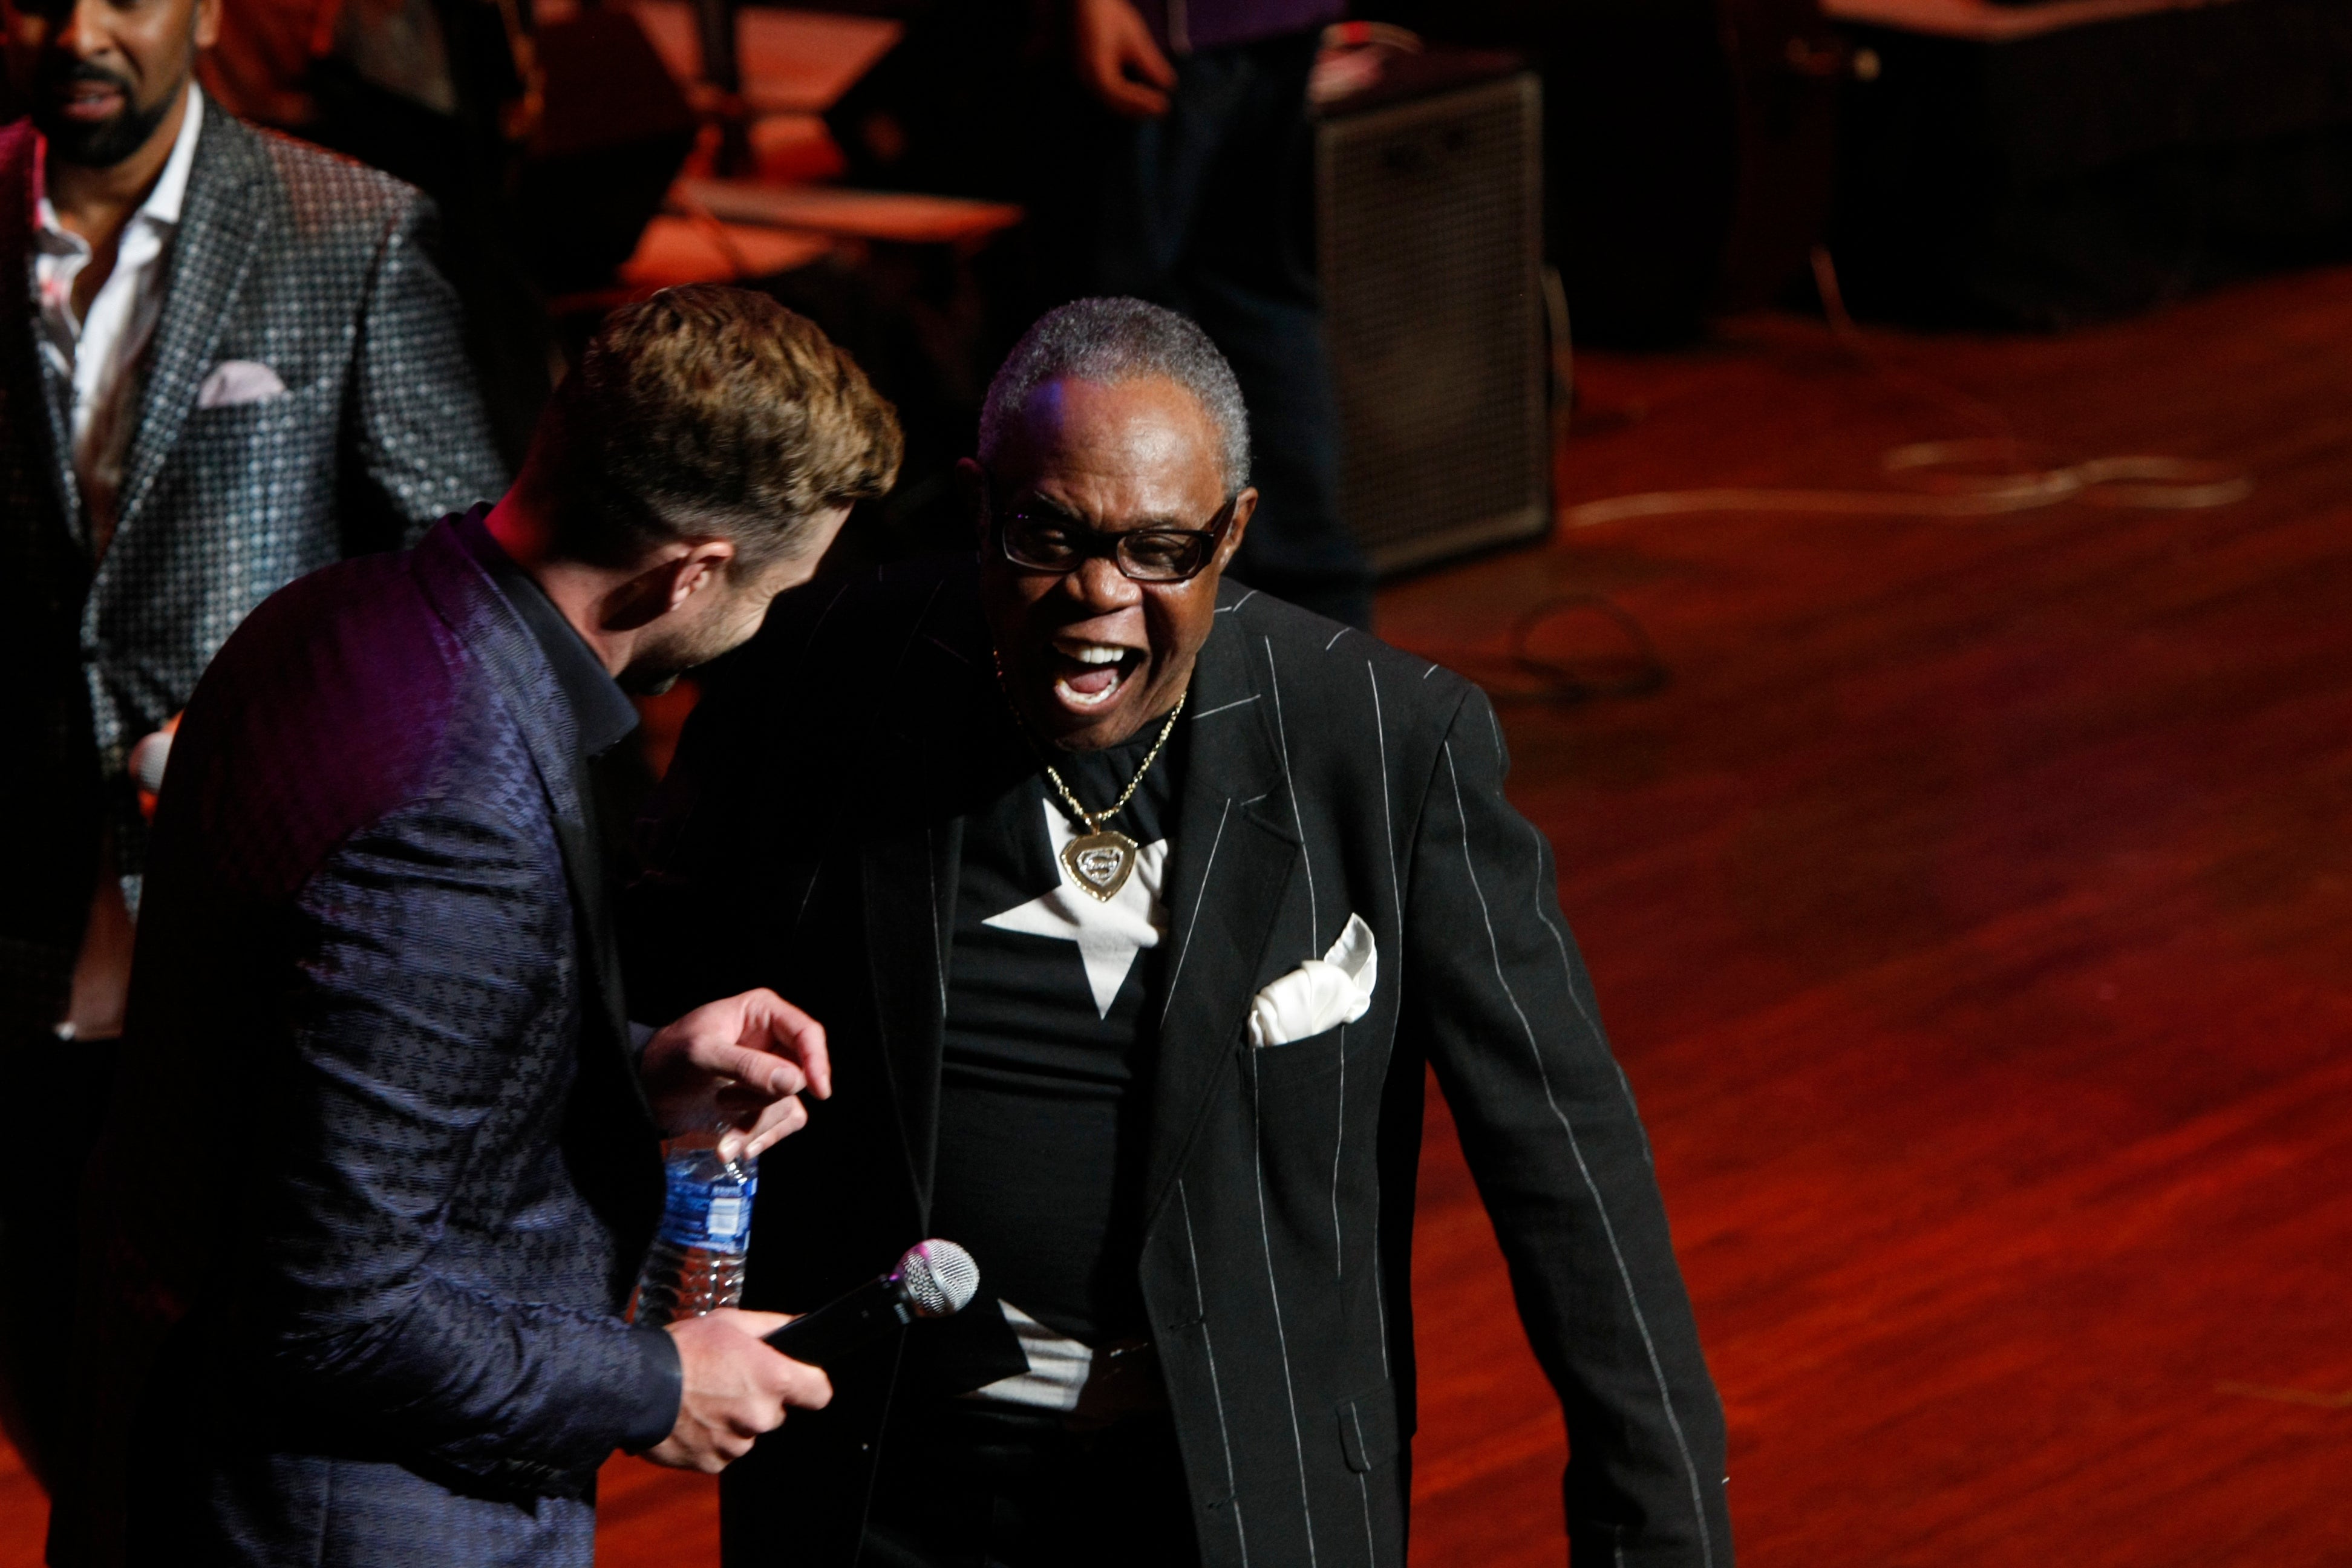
1049 542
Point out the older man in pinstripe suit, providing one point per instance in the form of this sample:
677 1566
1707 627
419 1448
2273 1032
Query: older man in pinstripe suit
1135 904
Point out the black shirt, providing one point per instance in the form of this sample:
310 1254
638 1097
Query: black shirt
601 710
1048 1047
602 714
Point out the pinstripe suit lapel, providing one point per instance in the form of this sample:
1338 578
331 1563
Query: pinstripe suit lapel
1234 856
910 860
1233 860
909 885
220 229
24 380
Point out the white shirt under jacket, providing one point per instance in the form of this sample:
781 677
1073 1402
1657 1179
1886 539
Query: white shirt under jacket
104 354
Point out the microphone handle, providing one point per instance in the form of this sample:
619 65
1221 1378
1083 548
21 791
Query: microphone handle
848 1323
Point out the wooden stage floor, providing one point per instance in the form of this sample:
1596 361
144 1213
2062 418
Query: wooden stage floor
1970 909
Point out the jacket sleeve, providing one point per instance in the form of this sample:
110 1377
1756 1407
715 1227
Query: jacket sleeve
1497 995
422 972
417 442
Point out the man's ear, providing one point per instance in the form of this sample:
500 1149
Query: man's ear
668 584
207 22
702 567
1244 504
971 484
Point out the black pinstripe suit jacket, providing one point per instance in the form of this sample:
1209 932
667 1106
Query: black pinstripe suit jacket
284 255
810 839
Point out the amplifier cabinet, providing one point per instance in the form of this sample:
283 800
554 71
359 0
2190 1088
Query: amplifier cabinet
1430 229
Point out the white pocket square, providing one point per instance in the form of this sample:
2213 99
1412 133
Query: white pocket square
1320 994
235 380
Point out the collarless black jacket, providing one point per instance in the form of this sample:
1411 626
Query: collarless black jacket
809 839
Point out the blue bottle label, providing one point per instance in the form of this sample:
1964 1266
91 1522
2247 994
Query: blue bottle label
707 1214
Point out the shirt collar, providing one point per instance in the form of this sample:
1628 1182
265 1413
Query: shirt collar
170 193
163 203
601 710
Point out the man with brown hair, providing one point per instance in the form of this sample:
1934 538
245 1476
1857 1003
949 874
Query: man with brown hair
385 1162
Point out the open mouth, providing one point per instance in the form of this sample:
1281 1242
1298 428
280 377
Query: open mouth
1088 676
89 101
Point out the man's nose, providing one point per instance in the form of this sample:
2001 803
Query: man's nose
1101 586
81 27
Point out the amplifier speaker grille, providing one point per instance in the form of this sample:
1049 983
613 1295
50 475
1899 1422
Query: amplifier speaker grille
1430 235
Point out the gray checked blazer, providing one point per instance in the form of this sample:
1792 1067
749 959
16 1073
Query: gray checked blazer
809 838
286 255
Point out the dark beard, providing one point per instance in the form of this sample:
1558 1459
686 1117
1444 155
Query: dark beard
107 143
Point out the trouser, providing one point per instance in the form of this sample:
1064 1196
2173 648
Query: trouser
965 1484
1209 210
52 1095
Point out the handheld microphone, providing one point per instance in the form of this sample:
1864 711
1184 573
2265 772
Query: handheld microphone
934 1280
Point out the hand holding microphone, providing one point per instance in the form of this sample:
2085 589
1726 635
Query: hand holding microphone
737 1388
733 1388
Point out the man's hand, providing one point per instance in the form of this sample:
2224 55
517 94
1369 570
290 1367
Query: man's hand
741 1063
1118 59
735 1389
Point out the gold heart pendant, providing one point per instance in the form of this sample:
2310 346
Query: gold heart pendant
1100 863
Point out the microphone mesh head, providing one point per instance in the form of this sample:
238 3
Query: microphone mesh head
941 1278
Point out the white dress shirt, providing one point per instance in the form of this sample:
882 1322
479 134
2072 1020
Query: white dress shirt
104 354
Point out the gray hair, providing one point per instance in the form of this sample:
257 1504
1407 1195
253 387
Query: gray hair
1111 342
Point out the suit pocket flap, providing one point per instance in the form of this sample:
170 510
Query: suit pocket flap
1369 1428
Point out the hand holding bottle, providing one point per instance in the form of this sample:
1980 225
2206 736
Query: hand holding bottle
742 1064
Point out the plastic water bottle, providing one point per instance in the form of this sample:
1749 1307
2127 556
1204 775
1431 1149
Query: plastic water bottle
697 1262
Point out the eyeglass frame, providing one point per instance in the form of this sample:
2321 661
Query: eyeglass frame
1104 544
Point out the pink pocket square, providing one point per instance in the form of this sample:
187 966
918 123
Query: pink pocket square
235 380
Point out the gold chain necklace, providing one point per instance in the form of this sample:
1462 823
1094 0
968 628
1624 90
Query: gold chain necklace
1100 859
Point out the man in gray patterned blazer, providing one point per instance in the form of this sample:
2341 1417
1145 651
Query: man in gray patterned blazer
233 362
